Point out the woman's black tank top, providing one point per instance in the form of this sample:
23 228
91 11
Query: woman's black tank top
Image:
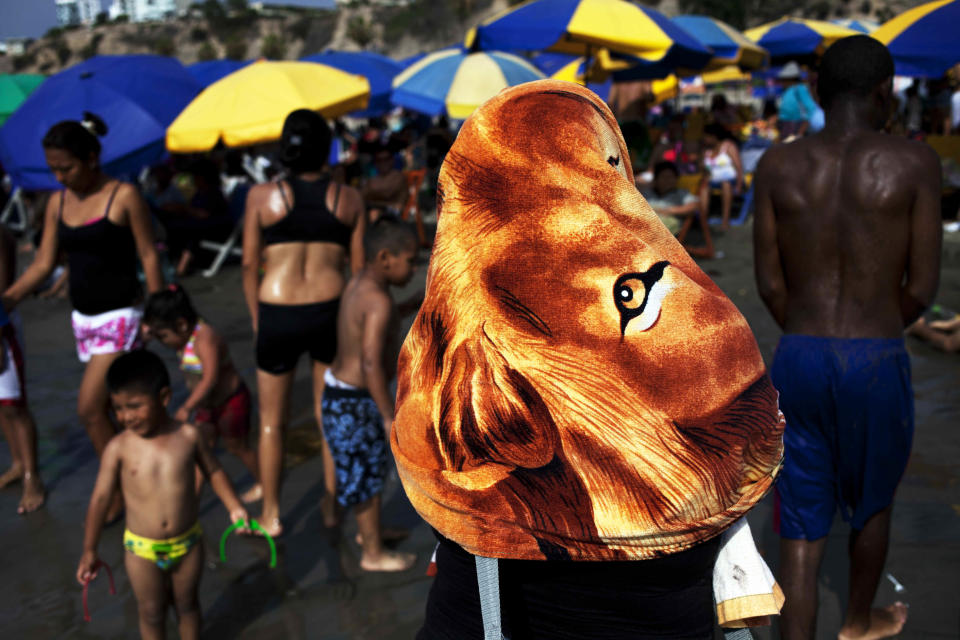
102 257
309 219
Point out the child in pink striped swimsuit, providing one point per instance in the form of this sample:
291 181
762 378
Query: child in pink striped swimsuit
219 399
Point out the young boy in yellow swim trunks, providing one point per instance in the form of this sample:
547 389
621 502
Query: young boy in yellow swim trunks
152 460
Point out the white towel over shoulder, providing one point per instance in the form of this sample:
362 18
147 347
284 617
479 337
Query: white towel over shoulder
743 586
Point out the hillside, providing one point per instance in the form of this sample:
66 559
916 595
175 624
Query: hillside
210 32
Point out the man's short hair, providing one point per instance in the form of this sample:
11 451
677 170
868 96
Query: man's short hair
853 66
388 232
139 371
664 165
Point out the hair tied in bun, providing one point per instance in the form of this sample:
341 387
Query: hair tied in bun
92 123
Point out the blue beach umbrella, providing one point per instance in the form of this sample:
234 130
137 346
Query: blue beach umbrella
377 69
137 96
730 47
923 41
209 71
456 82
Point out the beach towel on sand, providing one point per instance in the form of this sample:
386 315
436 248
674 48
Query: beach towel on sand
574 386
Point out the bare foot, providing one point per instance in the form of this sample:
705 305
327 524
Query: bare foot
272 526
253 494
12 475
329 510
884 623
387 536
34 495
388 561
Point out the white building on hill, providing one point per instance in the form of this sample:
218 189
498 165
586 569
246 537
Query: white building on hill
70 12
141 10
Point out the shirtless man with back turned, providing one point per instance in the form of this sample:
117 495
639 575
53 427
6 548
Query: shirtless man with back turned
847 254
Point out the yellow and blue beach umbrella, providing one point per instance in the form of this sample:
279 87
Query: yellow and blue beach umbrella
456 82
863 26
795 37
563 66
730 47
581 27
249 106
924 41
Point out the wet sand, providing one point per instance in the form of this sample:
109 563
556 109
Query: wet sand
318 590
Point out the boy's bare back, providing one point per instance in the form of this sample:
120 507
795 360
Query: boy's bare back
366 327
156 475
846 217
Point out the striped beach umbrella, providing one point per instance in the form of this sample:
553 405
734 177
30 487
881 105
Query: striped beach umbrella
730 47
857 24
923 41
795 37
581 27
563 66
377 69
457 82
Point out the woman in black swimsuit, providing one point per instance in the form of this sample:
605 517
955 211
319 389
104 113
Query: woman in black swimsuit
301 231
103 226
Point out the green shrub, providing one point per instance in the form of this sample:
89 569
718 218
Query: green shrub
24 60
236 48
300 28
360 31
91 47
207 52
273 47
63 52
163 46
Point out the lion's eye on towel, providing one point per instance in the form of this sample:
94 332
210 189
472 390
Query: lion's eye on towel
613 161
632 294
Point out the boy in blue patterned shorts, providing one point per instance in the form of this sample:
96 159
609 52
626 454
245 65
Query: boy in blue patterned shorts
357 405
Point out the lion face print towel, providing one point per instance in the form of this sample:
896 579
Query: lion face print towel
574 386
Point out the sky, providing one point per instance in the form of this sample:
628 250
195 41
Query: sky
32 18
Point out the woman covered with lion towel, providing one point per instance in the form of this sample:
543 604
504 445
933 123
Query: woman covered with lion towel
576 397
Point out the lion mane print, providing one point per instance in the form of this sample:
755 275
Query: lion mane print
574 386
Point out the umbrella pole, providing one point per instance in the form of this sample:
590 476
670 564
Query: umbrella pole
586 65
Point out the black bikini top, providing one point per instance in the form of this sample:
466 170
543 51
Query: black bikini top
309 219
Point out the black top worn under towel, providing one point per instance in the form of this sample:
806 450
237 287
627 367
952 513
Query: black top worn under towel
309 219
668 597
102 257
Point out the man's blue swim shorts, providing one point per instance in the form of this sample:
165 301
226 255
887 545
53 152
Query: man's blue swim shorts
848 404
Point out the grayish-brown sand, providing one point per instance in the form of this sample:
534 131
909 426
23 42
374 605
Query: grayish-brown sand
318 591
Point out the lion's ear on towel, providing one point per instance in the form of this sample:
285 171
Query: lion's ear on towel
493 413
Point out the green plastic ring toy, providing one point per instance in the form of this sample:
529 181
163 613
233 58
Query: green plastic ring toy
256 527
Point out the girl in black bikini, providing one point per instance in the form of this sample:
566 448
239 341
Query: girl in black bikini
103 226
301 230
